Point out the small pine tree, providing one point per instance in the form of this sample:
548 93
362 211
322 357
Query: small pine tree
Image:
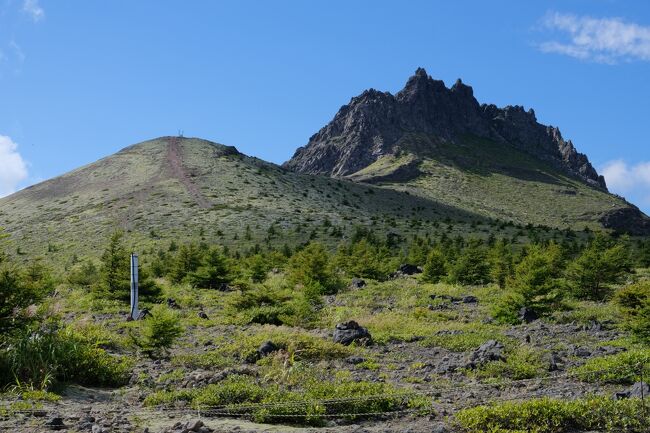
159 331
212 272
311 265
536 283
500 259
634 302
188 259
644 255
115 273
600 264
472 266
435 267
257 268
115 269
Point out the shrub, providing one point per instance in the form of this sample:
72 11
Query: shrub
159 331
188 259
634 302
311 265
257 268
274 304
39 357
599 265
364 259
270 402
471 267
84 275
501 263
536 283
521 363
624 367
548 415
300 344
435 267
18 292
212 272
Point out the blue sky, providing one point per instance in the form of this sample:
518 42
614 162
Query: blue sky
80 80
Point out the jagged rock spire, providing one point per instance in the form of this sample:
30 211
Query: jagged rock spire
373 124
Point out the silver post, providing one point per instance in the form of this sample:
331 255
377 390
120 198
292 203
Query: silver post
134 286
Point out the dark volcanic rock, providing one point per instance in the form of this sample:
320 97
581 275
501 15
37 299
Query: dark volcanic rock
347 332
527 315
408 269
489 351
425 112
55 423
638 390
627 220
357 283
267 348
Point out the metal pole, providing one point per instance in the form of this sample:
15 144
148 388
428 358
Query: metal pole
134 286
645 410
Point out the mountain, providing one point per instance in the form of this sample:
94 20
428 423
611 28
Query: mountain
192 189
440 143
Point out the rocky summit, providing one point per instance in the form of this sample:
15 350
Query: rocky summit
375 124
441 144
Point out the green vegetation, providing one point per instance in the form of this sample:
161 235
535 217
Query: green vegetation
624 367
41 357
603 262
435 267
221 290
536 283
634 301
556 416
243 396
159 331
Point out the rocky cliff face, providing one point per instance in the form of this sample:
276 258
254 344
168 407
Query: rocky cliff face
375 123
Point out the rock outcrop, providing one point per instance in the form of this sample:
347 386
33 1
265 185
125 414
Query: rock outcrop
627 220
376 124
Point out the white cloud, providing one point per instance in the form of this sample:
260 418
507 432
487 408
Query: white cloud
603 40
626 179
34 10
13 168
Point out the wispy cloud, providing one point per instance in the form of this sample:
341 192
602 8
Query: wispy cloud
603 40
626 179
13 168
34 10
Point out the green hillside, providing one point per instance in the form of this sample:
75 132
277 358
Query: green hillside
185 188
491 179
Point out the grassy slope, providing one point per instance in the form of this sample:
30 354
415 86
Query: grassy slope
498 181
157 194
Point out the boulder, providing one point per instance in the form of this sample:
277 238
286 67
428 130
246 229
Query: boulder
581 352
408 269
347 332
469 299
638 390
527 315
171 303
143 314
55 423
354 360
357 283
489 351
451 299
267 348
555 363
